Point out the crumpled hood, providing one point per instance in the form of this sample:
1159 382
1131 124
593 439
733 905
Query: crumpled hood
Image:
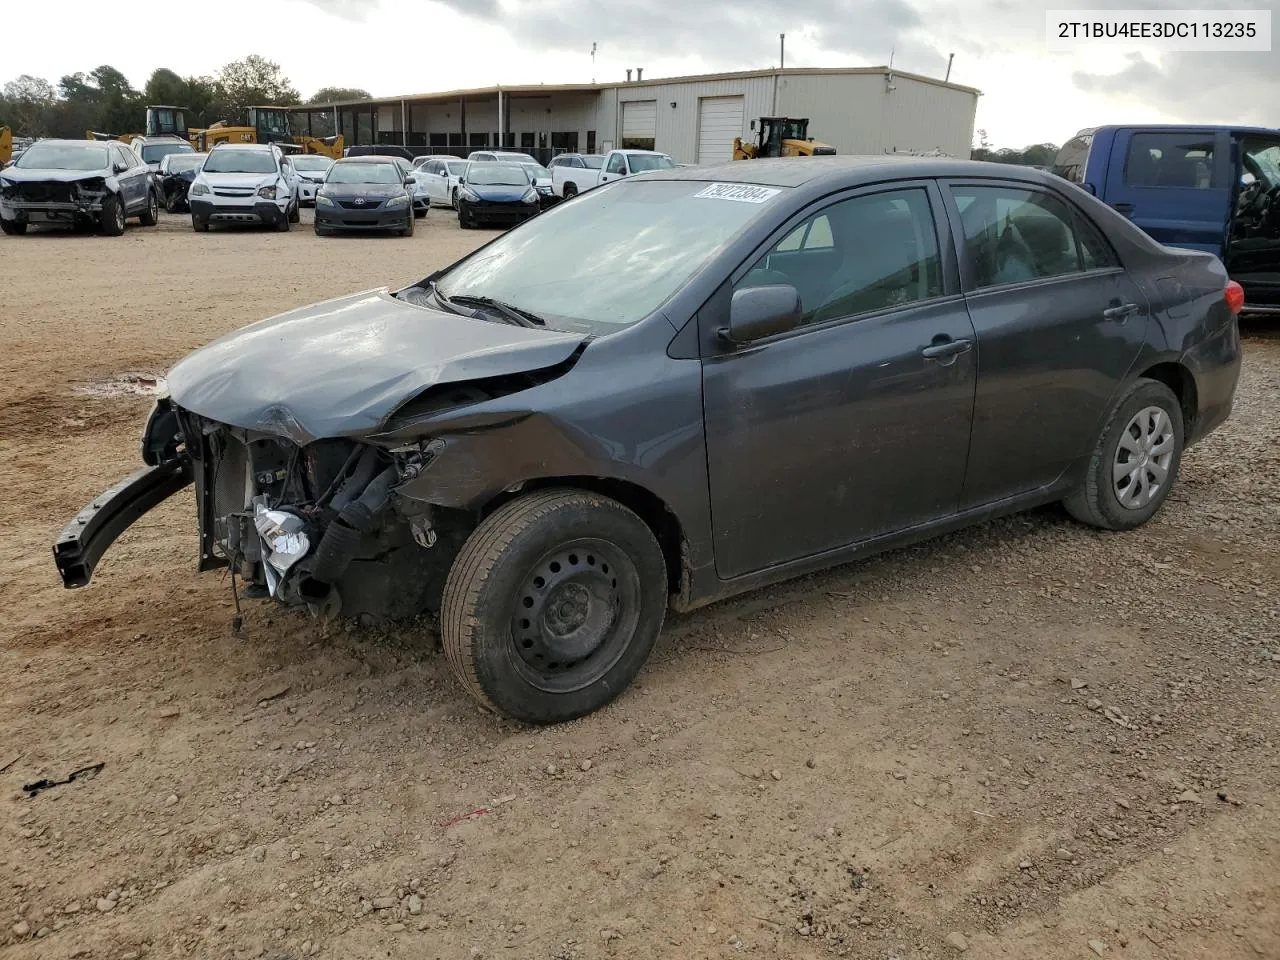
23 175
341 367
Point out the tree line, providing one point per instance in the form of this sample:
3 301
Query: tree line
103 100
1036 155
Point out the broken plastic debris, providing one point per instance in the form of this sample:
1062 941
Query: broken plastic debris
282 535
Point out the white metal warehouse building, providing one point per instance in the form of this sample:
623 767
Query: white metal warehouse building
866 110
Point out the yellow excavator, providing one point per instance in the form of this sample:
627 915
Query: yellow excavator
266 125
781 137
6 146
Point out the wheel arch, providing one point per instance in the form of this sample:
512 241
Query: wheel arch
1178 378
657 514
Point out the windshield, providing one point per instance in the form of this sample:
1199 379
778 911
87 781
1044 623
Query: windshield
188 162
497 174
1266 161
593 163
516 158
63 156
240 161
273 121
364 173
311 163
1072 159
641 162
152 152
537 170
608 259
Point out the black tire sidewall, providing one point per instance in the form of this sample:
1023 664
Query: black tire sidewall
112 224
492 648
1145 393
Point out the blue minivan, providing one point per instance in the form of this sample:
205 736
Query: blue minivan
1207 188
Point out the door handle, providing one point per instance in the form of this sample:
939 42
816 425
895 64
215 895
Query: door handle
940 349
1123 207
1121 312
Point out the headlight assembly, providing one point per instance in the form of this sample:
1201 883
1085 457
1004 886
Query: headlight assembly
323 201
268 192
199 190
399 201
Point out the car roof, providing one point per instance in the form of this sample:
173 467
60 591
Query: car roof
164 138
1178 128
370 158
256 147
844 170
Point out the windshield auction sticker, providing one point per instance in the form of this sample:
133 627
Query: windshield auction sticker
1159 30
742 192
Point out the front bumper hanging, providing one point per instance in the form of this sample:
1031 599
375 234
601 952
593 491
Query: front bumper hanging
85 539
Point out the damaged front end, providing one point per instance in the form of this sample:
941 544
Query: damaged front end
316 525
55 201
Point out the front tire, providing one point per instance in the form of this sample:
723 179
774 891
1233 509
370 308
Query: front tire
295 214
151 216
199 224
453 199
410 221
1135 462
12 228
553 605
112 215
284 223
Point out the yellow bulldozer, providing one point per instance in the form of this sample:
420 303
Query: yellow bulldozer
265 125
781 137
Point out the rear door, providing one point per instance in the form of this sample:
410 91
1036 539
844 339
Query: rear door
1175 185
1059 325
134 180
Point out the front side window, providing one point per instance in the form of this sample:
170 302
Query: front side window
118 157
1013 234
1171 160
857 256
608 259
616 164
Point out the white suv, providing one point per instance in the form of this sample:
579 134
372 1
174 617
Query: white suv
245 183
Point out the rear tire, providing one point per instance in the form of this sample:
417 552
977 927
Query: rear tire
12 228
553 605
570 191
151 216
453 200
112 215
1135 462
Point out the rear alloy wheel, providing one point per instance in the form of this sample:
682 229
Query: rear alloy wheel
570 191
12 228
152 214
553 605
112 215
1135 462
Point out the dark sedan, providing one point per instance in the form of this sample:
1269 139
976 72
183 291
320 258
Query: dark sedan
177 173
494 193
360 194
685 385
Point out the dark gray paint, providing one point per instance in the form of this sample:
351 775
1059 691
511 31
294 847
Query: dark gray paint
775 458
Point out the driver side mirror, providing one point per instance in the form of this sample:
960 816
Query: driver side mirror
119 167
759 312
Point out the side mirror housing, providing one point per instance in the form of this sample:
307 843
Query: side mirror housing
759 312
119 167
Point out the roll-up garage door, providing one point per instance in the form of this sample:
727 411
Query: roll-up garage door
719 122
639 124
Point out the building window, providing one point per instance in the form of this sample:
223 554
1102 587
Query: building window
564 142
526 142
638 143
455 140
591 141
438 140
479 139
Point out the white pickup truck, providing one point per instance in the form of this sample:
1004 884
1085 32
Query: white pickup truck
568 179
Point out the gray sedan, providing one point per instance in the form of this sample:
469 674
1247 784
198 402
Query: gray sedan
681 386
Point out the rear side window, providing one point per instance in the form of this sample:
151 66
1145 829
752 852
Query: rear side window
1170 160
1013 234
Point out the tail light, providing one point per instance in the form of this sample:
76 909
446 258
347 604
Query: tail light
1234 295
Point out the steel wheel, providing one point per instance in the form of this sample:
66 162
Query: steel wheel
1143 457
575 615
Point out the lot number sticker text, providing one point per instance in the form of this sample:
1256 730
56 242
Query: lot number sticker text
737 191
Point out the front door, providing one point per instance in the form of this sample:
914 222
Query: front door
1059 326
856 423
1174 185
1253 250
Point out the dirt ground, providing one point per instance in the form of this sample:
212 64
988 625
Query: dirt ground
1027 740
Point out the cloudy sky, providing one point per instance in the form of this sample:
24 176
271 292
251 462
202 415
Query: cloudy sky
392 47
